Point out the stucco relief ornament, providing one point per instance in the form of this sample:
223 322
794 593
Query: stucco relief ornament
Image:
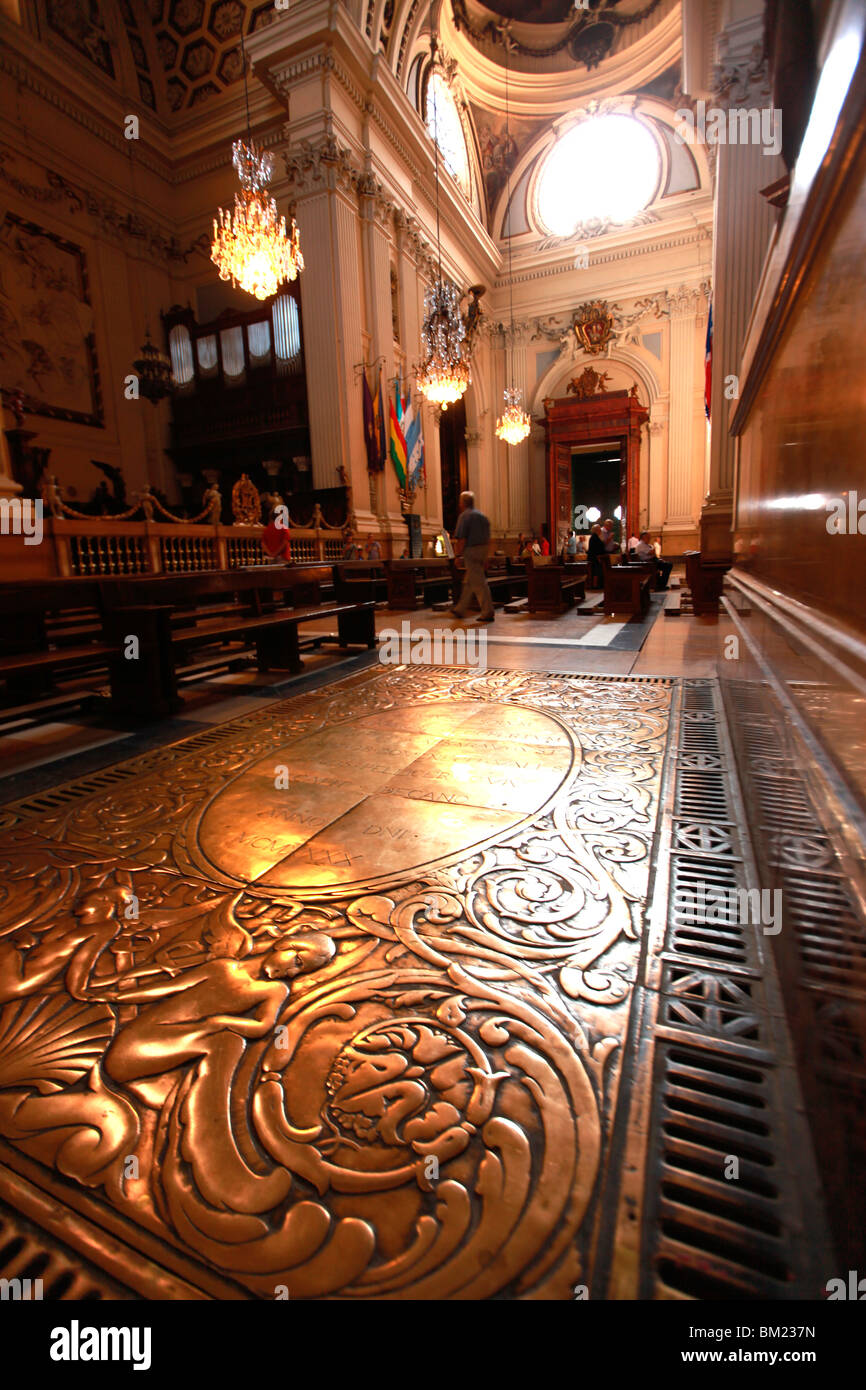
587 384
593 326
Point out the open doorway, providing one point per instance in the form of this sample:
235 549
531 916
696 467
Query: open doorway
597 486
452 456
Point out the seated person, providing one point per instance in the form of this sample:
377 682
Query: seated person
645 550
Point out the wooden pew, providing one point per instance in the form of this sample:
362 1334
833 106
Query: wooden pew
359 580
554 587
705 579
50 629
627 587
505 583
417 583
176 616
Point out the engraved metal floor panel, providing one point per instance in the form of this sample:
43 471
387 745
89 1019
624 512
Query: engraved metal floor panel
337 1000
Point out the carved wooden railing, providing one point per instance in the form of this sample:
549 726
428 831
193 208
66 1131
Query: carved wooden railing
101 546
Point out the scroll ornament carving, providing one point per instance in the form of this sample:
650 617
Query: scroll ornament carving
111 220
625 324
741 81
384 1091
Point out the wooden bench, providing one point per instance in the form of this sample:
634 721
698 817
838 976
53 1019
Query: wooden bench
506 581
298 585
705 579
418 583
627 587
360 580
49 629
554 587
174 616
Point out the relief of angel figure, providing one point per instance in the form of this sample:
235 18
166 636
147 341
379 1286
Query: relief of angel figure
65 955
184 1017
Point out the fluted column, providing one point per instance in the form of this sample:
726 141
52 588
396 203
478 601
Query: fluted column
656 446
376 240
411 281
743 223
682 461
324 184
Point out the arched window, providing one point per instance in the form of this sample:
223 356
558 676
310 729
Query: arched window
446 128
605 169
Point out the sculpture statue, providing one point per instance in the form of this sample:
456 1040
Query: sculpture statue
246 503
145 501
213 500
51 497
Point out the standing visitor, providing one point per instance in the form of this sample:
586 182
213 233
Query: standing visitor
472 544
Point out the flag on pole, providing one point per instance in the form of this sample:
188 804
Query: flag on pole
397 439
708 359
414 444
381 430
370 430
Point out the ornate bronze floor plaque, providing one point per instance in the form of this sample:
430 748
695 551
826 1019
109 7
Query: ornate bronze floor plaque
330 1001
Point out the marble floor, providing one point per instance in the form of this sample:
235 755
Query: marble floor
34 754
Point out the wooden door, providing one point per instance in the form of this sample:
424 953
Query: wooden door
560 502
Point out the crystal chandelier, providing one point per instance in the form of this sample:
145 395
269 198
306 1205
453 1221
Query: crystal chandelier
444 374
252 246
513 424
153 370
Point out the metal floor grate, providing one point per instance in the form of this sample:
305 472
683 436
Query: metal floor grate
27 1253
726 1215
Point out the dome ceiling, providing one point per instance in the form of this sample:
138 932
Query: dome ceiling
554 33
532 11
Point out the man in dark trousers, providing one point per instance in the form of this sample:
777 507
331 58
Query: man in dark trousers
644 551
594 552
472 543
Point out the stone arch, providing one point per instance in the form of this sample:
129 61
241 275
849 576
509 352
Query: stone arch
564 368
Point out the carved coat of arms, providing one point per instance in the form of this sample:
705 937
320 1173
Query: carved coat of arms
593 326
587 384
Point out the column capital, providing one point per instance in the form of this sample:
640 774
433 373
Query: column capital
324 167
740 76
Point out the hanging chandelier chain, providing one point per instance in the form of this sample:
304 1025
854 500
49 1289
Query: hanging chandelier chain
435 135
508 211
444 375
246 85
514 425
